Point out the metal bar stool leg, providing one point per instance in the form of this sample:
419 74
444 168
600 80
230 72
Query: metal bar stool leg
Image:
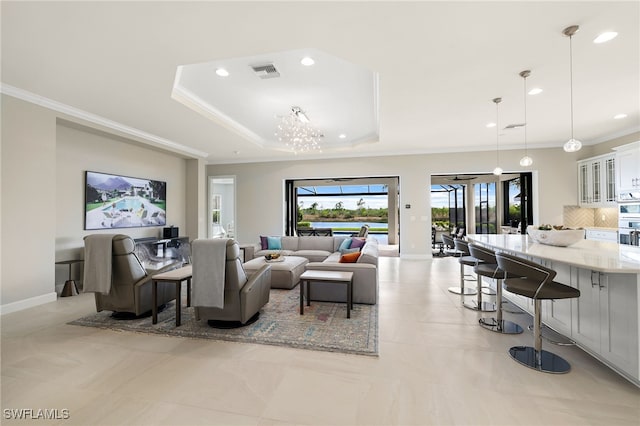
462 290
535 357
498 324
478 304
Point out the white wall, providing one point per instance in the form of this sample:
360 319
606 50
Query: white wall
80 149
260 187
42 187
28 205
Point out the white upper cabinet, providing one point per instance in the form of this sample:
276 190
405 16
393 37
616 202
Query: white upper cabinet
597 181
628 175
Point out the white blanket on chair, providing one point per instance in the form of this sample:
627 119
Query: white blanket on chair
97 263
209 259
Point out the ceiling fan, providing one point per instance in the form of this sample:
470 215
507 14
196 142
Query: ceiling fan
461 178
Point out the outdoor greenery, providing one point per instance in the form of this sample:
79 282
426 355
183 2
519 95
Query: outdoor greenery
314 213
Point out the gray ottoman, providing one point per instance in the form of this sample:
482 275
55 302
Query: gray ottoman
284 274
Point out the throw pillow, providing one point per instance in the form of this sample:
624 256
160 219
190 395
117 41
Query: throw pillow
346 244
263 243
350 257
274 243
357 243
349 250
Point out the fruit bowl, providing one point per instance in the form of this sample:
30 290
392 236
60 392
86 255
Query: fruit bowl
555 237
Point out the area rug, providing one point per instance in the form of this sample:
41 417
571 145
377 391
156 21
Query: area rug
323 327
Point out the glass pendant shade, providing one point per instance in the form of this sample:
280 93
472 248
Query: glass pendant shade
498 170
572 145
526 161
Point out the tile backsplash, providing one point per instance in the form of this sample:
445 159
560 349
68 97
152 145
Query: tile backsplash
576 217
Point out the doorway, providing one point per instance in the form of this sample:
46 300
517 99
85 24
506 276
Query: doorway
481 203
343 205
221 214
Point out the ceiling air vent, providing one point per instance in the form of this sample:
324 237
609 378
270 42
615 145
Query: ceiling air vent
514 126
265 71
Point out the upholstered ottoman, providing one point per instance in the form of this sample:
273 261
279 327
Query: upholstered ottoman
284 274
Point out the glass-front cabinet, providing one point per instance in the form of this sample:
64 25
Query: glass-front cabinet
597 181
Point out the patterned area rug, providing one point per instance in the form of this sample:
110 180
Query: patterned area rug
323 327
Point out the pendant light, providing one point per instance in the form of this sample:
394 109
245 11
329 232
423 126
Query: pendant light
525 161
572 145
497 171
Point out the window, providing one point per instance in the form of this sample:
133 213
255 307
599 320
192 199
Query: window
485 208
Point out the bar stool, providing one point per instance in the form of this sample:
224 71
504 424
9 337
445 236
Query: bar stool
537 283
489 268
465 259
449 246
479 304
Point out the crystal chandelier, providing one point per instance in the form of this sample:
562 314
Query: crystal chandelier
296 132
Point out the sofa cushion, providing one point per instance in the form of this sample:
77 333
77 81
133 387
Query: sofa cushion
313 255
274 243
357 243
262 253
289 243
263 243
350 257
316 243
345 245
349 250
369 253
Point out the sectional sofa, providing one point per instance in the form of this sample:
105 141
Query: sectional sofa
324 253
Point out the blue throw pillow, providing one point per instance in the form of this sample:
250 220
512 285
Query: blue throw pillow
274 243
346 244
349 250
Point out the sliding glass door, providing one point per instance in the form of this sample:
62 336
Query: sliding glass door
485 208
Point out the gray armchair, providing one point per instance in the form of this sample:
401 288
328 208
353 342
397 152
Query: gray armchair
244 295
130 287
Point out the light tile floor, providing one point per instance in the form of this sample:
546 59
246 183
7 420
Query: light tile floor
436 367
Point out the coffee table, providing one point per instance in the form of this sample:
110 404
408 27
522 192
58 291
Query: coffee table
326 276
285 273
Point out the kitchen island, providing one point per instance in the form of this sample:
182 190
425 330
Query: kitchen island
604 320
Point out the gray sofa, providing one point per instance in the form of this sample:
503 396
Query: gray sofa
323 254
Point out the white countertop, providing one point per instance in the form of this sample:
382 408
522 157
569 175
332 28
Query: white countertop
595 255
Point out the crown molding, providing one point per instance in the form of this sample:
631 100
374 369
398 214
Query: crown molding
145 137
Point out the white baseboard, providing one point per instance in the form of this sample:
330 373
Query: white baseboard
415 256
28 303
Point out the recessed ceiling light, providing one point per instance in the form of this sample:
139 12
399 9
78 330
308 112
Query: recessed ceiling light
307 61
342 136
535 91
619 116
604 37
221 72
490 125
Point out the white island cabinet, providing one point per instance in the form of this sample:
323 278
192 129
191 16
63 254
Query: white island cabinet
605 319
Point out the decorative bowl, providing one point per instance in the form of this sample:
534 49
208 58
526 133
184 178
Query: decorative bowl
553 237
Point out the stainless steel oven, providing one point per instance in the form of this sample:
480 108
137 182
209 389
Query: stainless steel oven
629 223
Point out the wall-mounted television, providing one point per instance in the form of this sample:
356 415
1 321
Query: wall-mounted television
114 201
